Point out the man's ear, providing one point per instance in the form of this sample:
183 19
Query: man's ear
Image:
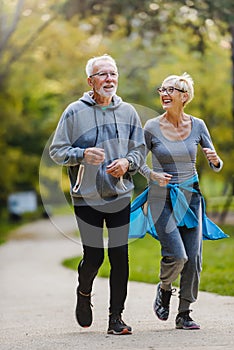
89 80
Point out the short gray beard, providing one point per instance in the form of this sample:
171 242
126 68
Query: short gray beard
103 93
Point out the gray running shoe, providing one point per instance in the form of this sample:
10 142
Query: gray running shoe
162 302
117 325
184 321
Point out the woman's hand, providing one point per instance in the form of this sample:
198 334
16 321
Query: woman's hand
212 156
161 178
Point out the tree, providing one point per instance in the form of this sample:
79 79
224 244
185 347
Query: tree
154 22
222 14
9 24
34 86
42 72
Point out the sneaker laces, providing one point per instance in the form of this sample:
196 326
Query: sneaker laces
117 318
86 299
166 296
186 315
121 321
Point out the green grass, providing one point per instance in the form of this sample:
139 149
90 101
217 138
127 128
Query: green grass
7 225
144 257
218 271
5 228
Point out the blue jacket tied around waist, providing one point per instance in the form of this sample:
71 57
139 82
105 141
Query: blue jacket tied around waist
141 222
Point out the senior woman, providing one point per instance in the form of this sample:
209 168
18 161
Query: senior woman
174 196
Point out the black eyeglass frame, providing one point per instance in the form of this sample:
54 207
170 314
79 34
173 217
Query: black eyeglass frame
159 90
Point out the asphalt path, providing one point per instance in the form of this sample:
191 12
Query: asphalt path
37 302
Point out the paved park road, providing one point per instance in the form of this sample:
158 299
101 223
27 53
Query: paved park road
37 300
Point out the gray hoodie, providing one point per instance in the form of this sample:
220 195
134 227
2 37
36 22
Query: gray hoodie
117 129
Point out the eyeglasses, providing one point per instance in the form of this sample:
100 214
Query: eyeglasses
169 90
104 75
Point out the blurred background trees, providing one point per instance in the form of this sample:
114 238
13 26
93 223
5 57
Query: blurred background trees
44 46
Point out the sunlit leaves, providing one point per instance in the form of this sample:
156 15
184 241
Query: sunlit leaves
44 46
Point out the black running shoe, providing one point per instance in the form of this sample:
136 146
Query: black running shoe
117 326
184 321
162 302
84 314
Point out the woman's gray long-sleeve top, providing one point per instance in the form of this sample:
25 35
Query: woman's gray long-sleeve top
177 158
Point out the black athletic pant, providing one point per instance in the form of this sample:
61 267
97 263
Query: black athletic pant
91 222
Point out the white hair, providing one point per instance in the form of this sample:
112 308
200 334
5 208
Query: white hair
183 82
92 61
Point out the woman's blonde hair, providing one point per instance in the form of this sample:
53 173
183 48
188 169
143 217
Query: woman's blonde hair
183 82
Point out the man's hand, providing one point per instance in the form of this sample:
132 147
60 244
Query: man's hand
118 167
94 155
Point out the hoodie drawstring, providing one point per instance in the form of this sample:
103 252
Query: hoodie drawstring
97 128
116 127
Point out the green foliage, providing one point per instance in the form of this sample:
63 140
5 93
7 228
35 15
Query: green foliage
144 259
44 49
